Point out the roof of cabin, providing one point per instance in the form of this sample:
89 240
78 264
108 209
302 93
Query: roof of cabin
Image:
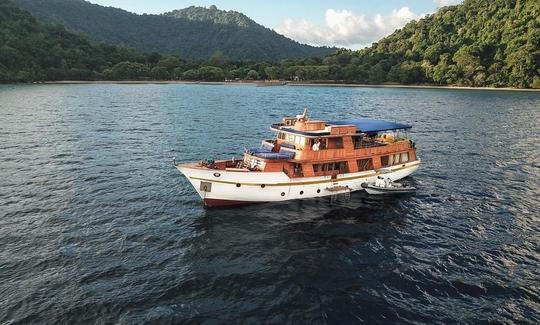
368 125
364 125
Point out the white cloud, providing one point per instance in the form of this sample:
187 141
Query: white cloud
442 3
345 28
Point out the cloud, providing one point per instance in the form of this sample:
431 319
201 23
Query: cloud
442 3
345 28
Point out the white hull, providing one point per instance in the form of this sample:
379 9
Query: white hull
234 187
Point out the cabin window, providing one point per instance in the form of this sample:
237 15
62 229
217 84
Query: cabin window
298 169
281 135
385 161
335 143
340 166
396 159
299 140
289 137
364 164
339 143
357 140
404 157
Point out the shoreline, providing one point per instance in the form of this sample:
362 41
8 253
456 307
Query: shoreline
291 83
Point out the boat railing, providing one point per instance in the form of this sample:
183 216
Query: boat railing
369 144
327 154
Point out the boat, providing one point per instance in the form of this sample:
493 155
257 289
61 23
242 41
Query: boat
306 158
384 186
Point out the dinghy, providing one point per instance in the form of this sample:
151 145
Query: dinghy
385 186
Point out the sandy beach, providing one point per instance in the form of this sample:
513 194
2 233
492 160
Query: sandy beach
292 83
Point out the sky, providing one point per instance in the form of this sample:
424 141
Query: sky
344 23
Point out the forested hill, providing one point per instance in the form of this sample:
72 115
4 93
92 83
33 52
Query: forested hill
477 43
32 51
213 15
188 33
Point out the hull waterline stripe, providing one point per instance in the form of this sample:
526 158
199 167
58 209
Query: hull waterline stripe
305 183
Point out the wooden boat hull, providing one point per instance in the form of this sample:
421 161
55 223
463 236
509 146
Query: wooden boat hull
227 188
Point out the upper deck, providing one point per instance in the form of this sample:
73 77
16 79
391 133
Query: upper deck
301 139
315 129
304 147
311 144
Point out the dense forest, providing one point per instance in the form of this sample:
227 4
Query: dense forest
192 33
479 43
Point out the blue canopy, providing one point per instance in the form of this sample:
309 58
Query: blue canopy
368 125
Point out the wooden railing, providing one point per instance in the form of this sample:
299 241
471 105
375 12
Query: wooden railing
331 154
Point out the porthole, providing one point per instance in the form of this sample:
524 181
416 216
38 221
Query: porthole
238 185
217 174
263 186
282 193
301 192
318 191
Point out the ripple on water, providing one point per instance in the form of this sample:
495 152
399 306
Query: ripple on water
96 225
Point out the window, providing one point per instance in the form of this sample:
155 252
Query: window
396 159
357 142
299 140
335 143
338 143
298 169
404 157
290 138
385 161
340 166
364 164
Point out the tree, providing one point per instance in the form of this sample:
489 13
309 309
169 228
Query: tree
160 73
272 73
191 74
217 59
211 73
377 75
252 75
129 70
468 64
177 73
170 63
9 57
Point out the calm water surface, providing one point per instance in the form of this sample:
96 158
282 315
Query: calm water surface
96 226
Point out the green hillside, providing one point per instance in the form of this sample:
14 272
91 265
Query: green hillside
193 33
213 15
478 43
30 50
